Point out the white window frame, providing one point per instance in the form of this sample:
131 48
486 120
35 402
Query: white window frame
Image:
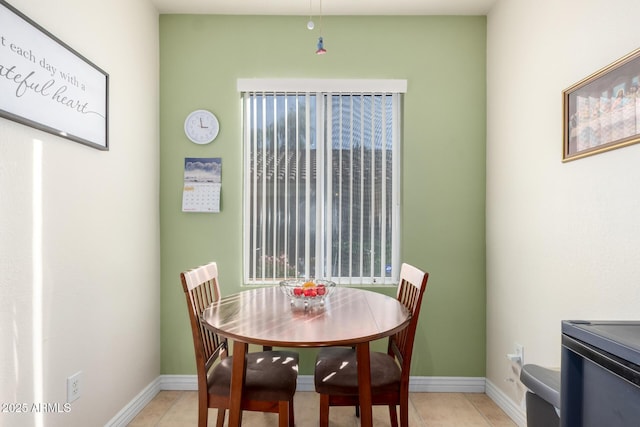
321 87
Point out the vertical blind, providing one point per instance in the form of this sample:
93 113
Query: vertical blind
321 186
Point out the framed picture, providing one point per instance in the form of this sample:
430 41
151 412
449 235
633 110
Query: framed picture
47 85
602 111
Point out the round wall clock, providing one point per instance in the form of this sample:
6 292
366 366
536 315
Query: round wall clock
201 126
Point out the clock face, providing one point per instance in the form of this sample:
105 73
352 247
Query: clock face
201 126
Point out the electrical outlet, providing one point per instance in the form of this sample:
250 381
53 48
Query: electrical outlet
520 352
518 356
74 386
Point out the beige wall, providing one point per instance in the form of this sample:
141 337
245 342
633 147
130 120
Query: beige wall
563 239
79 231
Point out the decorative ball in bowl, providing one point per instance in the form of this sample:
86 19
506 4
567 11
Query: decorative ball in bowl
309 291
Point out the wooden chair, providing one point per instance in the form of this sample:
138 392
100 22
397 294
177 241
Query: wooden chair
271 376
336 374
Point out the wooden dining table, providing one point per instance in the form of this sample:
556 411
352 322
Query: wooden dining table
267 317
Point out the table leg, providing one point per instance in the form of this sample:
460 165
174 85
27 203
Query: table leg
364 383
237 382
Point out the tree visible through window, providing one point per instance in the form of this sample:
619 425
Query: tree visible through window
321 187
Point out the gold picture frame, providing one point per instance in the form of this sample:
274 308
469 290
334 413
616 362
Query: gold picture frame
602 111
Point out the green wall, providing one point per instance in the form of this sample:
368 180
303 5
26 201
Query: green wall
443 158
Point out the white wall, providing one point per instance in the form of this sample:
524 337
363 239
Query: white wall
563 239
79 231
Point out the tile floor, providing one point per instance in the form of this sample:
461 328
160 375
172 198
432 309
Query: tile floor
179 409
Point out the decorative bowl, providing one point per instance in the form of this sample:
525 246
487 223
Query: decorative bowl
307 291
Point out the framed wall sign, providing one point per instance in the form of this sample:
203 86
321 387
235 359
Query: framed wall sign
602 111
47 85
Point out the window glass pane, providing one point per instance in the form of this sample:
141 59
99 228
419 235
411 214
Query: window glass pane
319 201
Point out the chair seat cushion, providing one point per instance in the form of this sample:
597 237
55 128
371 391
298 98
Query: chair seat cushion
270 376
336 372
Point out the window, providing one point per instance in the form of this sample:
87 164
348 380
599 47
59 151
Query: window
321 186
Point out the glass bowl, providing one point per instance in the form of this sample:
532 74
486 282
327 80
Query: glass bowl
307 291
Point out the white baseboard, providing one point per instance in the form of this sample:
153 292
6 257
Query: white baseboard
512 409
178 382
136 405
305 383
447 384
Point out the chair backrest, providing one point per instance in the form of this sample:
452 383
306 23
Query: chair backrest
413 283
201 289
